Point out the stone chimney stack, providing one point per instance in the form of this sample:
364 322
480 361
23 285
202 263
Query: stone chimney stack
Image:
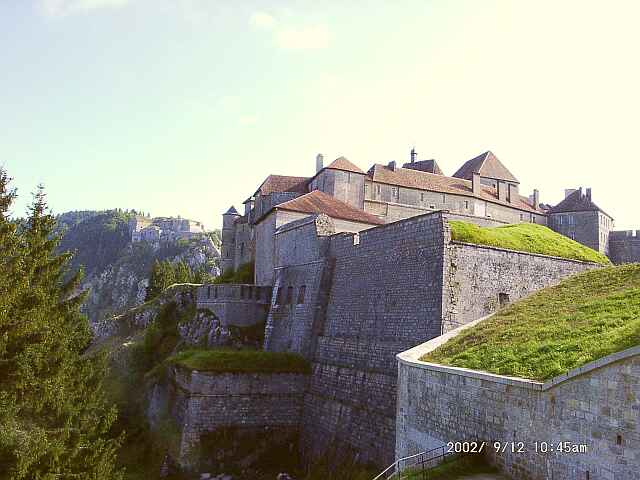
536 198
319 162
475 183
568 191
392 166
589 194
414 155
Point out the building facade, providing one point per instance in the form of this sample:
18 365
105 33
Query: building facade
482 189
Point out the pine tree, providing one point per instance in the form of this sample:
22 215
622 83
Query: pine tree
57 420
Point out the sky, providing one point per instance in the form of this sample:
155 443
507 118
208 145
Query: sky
183 107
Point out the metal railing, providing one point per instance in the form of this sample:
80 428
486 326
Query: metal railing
417 466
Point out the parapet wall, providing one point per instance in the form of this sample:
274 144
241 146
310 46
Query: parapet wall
624 246
237 305
594 408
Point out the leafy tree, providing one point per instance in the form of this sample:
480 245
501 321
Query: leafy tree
54 418
165 273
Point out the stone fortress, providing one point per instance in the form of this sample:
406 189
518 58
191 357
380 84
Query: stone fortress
354 267
166 229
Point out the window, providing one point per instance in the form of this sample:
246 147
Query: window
208 292
503 299
444 198
432 206
422 197
378 189
619 440
301 292
356 239
395 192
366 190
242 249
521 217
290 295
466 205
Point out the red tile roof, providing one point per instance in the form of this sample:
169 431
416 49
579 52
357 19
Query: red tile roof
405 177
282 183
341 163
320 202
487 165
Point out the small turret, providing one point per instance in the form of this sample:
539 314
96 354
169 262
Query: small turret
229 238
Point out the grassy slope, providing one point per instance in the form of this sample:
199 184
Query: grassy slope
240 361
559 328
526 237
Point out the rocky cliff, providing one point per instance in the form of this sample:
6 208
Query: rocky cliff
116 271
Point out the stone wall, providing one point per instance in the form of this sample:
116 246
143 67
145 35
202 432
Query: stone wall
372 295
624 246
384 292
238 305
480 279
220 407
596 405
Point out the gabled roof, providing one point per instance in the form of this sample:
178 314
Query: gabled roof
577 202
487 165
429 166
231 211
341 163
417 179
320 202
283 183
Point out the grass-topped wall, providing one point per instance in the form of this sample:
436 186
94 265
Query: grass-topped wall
584 318
240 361
525 237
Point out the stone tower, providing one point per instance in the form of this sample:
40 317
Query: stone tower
229 239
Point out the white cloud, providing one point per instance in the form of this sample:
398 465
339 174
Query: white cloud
262 21
292 37
313 37
60 8
247 120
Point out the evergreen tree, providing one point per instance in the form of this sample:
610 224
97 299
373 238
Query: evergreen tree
55 419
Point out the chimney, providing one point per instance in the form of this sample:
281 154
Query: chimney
536 198
502 191
414 155
568 191
512 193
589 194
319 162
392 166
475 183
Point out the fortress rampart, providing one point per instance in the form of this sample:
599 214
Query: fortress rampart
371 295
591 406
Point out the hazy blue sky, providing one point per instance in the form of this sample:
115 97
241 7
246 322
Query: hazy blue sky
185 106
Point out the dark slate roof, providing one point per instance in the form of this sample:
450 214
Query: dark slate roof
429 166
232 211
577 202
283 183
417 179
341 163
487 165
320 202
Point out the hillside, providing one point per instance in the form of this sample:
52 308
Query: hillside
525 237
117 270
584 318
